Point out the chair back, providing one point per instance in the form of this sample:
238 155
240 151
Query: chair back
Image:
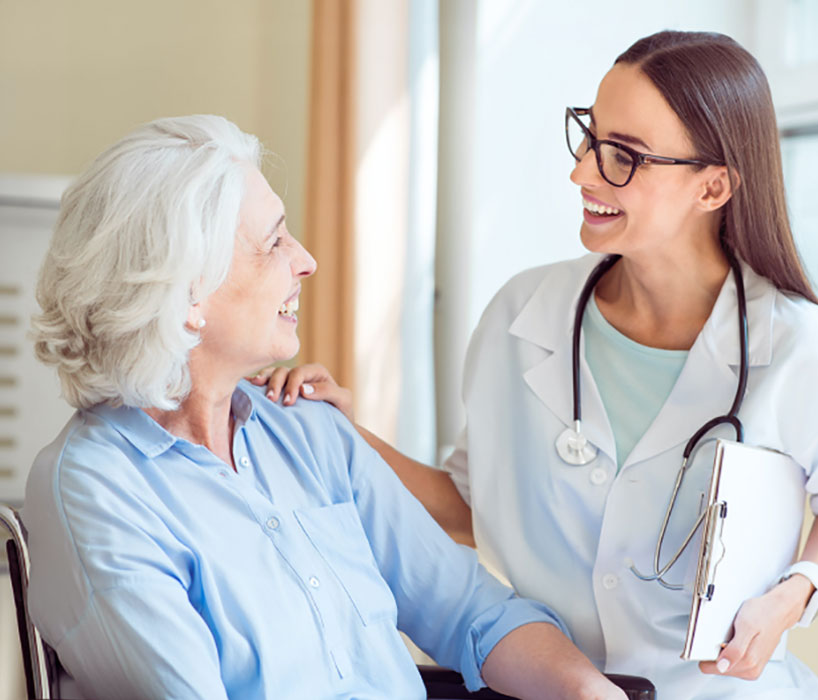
39 660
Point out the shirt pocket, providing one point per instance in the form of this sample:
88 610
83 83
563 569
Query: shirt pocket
339 538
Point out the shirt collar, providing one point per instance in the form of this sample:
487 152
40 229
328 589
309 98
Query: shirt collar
242 404
547 318
150 438
721 331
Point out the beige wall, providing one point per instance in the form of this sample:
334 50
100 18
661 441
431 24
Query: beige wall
75 76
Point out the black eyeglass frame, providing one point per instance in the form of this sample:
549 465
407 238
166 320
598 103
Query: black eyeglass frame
637 158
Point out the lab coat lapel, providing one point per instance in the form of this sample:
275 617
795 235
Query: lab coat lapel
708 381
547 321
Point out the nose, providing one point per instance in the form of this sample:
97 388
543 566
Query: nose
303 264
585 172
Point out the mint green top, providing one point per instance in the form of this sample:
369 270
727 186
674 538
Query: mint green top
634 380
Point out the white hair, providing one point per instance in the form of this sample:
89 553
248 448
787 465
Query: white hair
145 232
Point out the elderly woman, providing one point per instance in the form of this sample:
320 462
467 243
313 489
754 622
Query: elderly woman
190 538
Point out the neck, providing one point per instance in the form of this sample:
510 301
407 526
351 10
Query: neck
204 416
663 301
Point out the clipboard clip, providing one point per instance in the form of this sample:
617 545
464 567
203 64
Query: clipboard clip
716 514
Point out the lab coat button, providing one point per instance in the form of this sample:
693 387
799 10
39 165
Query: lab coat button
245 462
272 523
610 581
598 476
314 582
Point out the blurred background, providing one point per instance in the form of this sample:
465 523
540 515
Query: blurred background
418 146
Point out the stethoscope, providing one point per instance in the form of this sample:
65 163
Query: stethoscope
574 448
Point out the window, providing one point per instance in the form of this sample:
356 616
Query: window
799 149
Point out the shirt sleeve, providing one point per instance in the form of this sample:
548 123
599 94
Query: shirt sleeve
447 603
142 639
107 588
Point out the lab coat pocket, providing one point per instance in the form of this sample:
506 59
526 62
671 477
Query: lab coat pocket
339 538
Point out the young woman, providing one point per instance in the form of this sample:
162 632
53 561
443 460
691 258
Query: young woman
679 175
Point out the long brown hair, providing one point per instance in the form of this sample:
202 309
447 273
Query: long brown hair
721 95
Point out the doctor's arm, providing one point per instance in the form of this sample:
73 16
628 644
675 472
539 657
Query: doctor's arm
761 621
433 487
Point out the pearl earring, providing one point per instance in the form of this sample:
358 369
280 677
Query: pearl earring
202 323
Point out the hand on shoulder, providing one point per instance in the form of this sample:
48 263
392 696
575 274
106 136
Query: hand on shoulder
311 381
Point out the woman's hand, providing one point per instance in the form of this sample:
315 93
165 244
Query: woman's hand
311 381
758 627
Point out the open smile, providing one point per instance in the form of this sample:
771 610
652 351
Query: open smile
290 306
597 212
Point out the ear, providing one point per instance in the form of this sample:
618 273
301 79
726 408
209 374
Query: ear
718 186
195 319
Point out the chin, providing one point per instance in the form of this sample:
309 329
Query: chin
597 243
288 351
591 243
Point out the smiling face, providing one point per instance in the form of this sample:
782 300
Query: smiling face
661 207
250 318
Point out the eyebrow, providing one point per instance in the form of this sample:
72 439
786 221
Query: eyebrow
624 138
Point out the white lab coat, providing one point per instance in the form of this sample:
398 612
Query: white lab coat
565 534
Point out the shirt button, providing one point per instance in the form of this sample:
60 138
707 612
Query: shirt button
598 476
314 582
244 462
610 581
272 523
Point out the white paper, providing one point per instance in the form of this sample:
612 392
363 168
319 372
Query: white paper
751 546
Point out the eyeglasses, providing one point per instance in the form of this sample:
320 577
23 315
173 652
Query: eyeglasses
616 162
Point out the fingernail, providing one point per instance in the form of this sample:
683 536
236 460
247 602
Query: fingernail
287 399
270 395
722 665
308 389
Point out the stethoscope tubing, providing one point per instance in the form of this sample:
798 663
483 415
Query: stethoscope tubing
731 417
597 274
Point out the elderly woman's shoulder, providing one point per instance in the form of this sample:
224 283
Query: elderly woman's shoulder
81 472
315 430
88 445
303 415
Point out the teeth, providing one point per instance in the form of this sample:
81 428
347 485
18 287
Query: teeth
289 308
598 208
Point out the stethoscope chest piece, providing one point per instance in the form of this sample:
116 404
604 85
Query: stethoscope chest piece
574 448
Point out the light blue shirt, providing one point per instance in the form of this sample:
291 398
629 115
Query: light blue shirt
159 572
634 380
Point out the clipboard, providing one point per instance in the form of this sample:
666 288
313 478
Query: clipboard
752 527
